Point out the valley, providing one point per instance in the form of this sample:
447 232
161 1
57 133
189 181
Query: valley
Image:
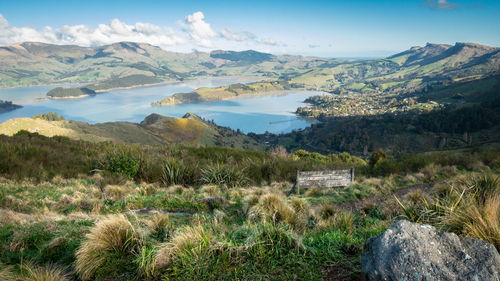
187 162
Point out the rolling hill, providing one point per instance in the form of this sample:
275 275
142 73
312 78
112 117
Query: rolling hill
154 130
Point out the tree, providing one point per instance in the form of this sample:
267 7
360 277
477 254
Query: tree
376 157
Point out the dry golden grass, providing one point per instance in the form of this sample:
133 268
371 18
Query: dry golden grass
117 192
175 189
340 220
485 223
147 189
114 234
32 272
6 273
190 239
210 190
430 171
158 222
11 217
272 208
314 192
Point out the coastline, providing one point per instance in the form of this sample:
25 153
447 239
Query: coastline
261 94
69 97
77 85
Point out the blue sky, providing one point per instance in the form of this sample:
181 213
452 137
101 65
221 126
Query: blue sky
322 28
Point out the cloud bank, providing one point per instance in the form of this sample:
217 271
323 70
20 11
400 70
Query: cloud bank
194 31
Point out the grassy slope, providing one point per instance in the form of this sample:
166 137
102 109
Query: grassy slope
155 130
224 92
241 233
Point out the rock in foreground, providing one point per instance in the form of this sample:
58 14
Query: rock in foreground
411 251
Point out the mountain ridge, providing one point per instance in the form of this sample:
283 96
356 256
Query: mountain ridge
155 129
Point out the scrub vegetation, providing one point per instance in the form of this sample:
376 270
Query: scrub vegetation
76 210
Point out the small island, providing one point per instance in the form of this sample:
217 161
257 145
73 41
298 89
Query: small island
226 92
8 106
70 93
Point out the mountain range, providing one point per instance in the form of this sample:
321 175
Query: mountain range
127 64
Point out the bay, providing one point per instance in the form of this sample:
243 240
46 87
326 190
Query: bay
270 112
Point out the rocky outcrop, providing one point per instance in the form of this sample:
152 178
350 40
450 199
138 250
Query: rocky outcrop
411 251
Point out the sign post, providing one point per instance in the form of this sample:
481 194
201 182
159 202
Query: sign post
324 179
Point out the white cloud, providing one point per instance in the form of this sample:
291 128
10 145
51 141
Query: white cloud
195 32
84 35
440 4
199 30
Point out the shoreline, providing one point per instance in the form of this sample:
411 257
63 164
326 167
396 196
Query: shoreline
262 94
77 85
68 97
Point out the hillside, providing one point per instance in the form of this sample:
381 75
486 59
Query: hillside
62 93
225 92
31 63
154 130
128 64
465 114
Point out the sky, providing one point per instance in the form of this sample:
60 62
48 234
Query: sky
320 28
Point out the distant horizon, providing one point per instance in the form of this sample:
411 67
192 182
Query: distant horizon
304 55
320 28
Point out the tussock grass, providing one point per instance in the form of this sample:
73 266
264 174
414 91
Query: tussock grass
468 206
6 273
159 225
116 192
32 272
272 208
191 240
109 248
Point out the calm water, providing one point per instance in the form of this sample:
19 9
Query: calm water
273 113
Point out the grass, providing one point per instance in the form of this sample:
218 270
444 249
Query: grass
98 224
32 272
109 250
469 207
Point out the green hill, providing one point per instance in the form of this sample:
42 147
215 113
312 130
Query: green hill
225 92
468 114
154 130
127 64
61 93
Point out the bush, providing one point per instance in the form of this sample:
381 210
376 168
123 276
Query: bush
122 163
223 175
174 172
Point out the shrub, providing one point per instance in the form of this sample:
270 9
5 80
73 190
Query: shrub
220 174
109 250
174 172
376 157
122 163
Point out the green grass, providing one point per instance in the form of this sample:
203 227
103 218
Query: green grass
87 213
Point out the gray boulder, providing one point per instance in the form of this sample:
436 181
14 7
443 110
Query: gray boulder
411 251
